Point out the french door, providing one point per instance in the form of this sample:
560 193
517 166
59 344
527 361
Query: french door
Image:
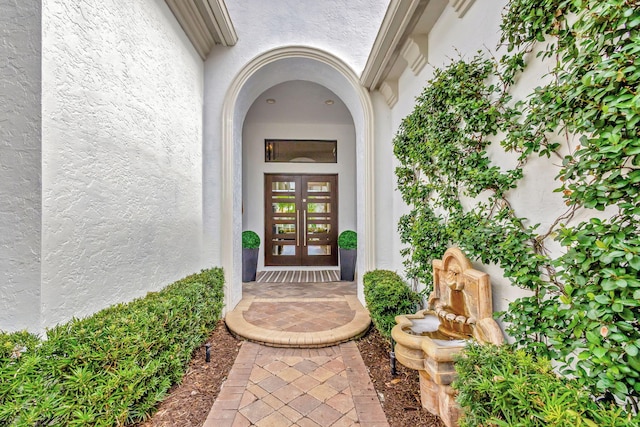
301 220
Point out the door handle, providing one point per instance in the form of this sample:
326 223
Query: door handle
304 216
297 228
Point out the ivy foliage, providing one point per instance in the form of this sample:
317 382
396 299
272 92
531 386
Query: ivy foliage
584 308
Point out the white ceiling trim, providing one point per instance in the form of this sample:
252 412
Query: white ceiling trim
206 22
398 22
461 6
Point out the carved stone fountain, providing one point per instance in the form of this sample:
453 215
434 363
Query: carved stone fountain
459 309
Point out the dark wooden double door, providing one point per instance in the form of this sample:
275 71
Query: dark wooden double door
301 220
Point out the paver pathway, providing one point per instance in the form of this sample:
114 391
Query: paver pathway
303 387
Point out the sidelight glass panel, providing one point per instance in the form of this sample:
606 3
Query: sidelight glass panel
283 207
315 250
319 207
283 186
316 187
284 228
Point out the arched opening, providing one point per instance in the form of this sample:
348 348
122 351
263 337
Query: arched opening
264 72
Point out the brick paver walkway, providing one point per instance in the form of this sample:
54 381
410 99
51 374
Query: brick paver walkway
279 387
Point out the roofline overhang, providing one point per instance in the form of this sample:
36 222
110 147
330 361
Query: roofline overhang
205 22
398 23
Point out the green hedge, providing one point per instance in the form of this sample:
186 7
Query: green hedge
499 386
387 296
113 367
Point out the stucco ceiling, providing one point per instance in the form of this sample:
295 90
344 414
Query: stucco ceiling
298 101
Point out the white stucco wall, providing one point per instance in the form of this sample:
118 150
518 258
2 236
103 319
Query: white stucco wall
122 163
20 159
254 167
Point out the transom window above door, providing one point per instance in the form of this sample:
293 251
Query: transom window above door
300 151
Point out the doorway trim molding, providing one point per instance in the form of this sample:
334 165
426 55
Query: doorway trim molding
232 120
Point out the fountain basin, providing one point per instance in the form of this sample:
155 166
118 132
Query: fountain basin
422 345
459 310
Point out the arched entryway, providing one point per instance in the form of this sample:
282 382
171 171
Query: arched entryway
267 70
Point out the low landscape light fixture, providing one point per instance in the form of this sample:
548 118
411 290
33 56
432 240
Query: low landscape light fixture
207 352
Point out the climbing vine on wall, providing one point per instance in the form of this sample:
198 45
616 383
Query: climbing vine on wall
584 308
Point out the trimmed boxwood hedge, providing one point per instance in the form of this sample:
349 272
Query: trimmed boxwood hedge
387 296
113 367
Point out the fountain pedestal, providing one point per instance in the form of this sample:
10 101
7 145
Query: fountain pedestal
459 309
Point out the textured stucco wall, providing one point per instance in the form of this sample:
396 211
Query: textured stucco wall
122 163
254 168
20 159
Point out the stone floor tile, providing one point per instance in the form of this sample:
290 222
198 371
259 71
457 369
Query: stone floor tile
304 404
273 401
335 365
287 393
258 391
338 382
258 374
341 403
306 366
240 421
289 374
323 392
271 384
256 411
275 367
290 413
324 415
306 422
345 421
306 383
322 374
274 420
247 398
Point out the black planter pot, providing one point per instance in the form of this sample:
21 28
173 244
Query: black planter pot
249 264
348 264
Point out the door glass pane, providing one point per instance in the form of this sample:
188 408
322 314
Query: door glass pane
314 187
284 228
283 250
315 250
319 207
300 151
283 186
318 228
283 207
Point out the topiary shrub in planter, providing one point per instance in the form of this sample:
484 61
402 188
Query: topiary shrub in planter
499 386
387 296
348 249
250 251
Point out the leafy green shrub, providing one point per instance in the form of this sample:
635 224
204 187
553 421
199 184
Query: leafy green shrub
113 367
348 239
387 296
498 386
14 344
250 240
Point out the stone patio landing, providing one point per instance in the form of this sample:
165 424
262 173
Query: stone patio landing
299 315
